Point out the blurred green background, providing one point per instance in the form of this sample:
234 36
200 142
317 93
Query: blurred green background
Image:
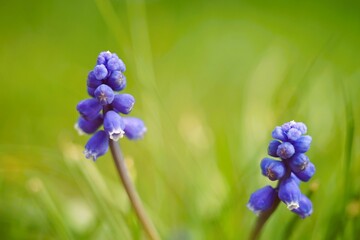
211 80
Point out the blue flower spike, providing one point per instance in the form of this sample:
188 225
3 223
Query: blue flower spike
105 106
293 167
105 109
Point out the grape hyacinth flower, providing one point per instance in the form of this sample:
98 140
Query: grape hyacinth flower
103 108
103 82
293 167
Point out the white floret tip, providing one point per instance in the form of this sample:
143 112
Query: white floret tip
292 205
116 134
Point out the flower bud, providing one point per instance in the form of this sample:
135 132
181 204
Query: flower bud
121 66
273 169
287 126
104 94
89 127
302 144
273 146
279 134
100 72
114 125
92 81
89 108
307 173
262 199
298 162
117 81
134 128
285 150
305 207
114 64
103 57
123 103
301 127
289 193
97 145
293 134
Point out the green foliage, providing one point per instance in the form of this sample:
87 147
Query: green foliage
211 80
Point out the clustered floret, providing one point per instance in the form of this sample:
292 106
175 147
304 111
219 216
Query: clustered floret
290 145
104 107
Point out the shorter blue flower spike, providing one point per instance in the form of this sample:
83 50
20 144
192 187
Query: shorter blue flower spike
104 94
92 81
307 173
273 169
273 146
97 145
114 125
262 199
293 134
100 72
302 144
134 128
301 127
305 207
89 127
117 81
89 108
289 193
285 150
123 103
298 162
279 134
295 167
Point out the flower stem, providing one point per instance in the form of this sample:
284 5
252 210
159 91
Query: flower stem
263 217
131 191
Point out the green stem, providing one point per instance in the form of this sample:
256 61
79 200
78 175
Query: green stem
263 217
131 191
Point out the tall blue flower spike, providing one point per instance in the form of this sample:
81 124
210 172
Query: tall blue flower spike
290 145
105 105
